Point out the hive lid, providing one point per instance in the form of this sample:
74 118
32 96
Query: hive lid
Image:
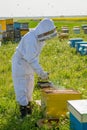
82 42
84 45
79 109
61 91
74 39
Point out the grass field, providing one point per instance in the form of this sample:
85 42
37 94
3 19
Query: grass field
67 69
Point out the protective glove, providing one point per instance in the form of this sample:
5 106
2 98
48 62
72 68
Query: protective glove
44 75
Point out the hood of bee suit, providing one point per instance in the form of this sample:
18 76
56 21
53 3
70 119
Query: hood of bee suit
45 30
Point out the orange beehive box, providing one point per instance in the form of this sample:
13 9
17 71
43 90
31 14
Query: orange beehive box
54 102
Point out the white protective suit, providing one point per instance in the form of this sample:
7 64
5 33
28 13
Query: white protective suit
25 61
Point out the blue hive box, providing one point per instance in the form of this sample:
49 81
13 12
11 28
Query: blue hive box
77 46
16 25
83 49
73 41
78 114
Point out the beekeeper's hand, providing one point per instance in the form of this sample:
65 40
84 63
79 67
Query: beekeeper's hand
44 75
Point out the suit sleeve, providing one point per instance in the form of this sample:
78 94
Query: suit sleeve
31 54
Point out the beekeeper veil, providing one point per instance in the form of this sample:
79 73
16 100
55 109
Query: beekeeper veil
45 30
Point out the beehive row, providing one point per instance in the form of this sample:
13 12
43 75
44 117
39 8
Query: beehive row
76 29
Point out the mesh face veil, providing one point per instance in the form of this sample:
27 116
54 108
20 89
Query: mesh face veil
47 35
46 30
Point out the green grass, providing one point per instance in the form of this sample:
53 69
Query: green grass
66 67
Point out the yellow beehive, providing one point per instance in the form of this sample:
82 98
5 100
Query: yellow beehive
9 21
54 102
4 23
23 32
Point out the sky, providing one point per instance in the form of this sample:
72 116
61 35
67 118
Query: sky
34 8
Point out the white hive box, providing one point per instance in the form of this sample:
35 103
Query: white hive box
78 114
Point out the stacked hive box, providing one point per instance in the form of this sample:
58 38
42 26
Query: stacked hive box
7 29
5 22
10 30
20 29
17 35
23 28
54 102
78 114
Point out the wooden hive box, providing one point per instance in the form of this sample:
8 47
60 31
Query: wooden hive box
5 22
54 102
73 41
76 30
78 114
23 32
77 46
83 49
85 30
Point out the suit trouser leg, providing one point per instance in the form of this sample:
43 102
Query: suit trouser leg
24 87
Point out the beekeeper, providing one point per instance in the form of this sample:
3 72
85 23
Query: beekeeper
25 62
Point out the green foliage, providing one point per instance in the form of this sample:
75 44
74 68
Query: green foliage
66 68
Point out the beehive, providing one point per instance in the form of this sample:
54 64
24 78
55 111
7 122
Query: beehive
77 45
76 30
78 114
9 21
83 49
63 36
17 35
23 32
73 41
24 26
65 29
9 27
16 25
8 35
3 25
85 30
84 26
5 22
54 102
